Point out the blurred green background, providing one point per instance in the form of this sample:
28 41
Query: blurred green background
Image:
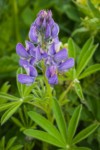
76 19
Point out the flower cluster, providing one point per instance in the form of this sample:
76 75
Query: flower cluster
44 45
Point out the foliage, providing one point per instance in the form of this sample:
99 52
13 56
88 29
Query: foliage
66 116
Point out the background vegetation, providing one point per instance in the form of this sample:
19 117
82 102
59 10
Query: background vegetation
79 22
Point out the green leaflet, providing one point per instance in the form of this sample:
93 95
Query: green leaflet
90 70
78 90
21 87
74 123
88 45
72 48
10 142
81 148
17 122
10 112
60 119
8 96
28 89
85 55
85 133
17 147
43 136
7 105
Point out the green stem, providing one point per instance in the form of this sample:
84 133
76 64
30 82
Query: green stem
65 92
16 20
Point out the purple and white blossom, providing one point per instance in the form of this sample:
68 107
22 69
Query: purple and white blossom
44 45
59 61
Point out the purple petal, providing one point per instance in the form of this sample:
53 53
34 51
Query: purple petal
61 55
21 51
38 22
29 46
51 71
33 34
38 54
49 13
43 53
44 23
52 50
32 61
48 74
51 22
31 71
25 79
33 52
53 80
48 61
66 65
23 62
47 32
55 30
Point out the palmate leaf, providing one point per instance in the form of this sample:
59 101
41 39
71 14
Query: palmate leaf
10 112
90 70
43 136
85 133
74 123
60 119
46 125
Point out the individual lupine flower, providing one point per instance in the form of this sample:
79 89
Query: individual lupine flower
25 53
60 62
27 61
51 74
44 30
28 78
30 54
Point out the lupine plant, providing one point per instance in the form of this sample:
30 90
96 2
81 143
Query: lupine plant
46 62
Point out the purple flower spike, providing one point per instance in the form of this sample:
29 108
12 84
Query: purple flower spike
44 45
61 55
33 35
21 51
51 74
66 65
25 79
